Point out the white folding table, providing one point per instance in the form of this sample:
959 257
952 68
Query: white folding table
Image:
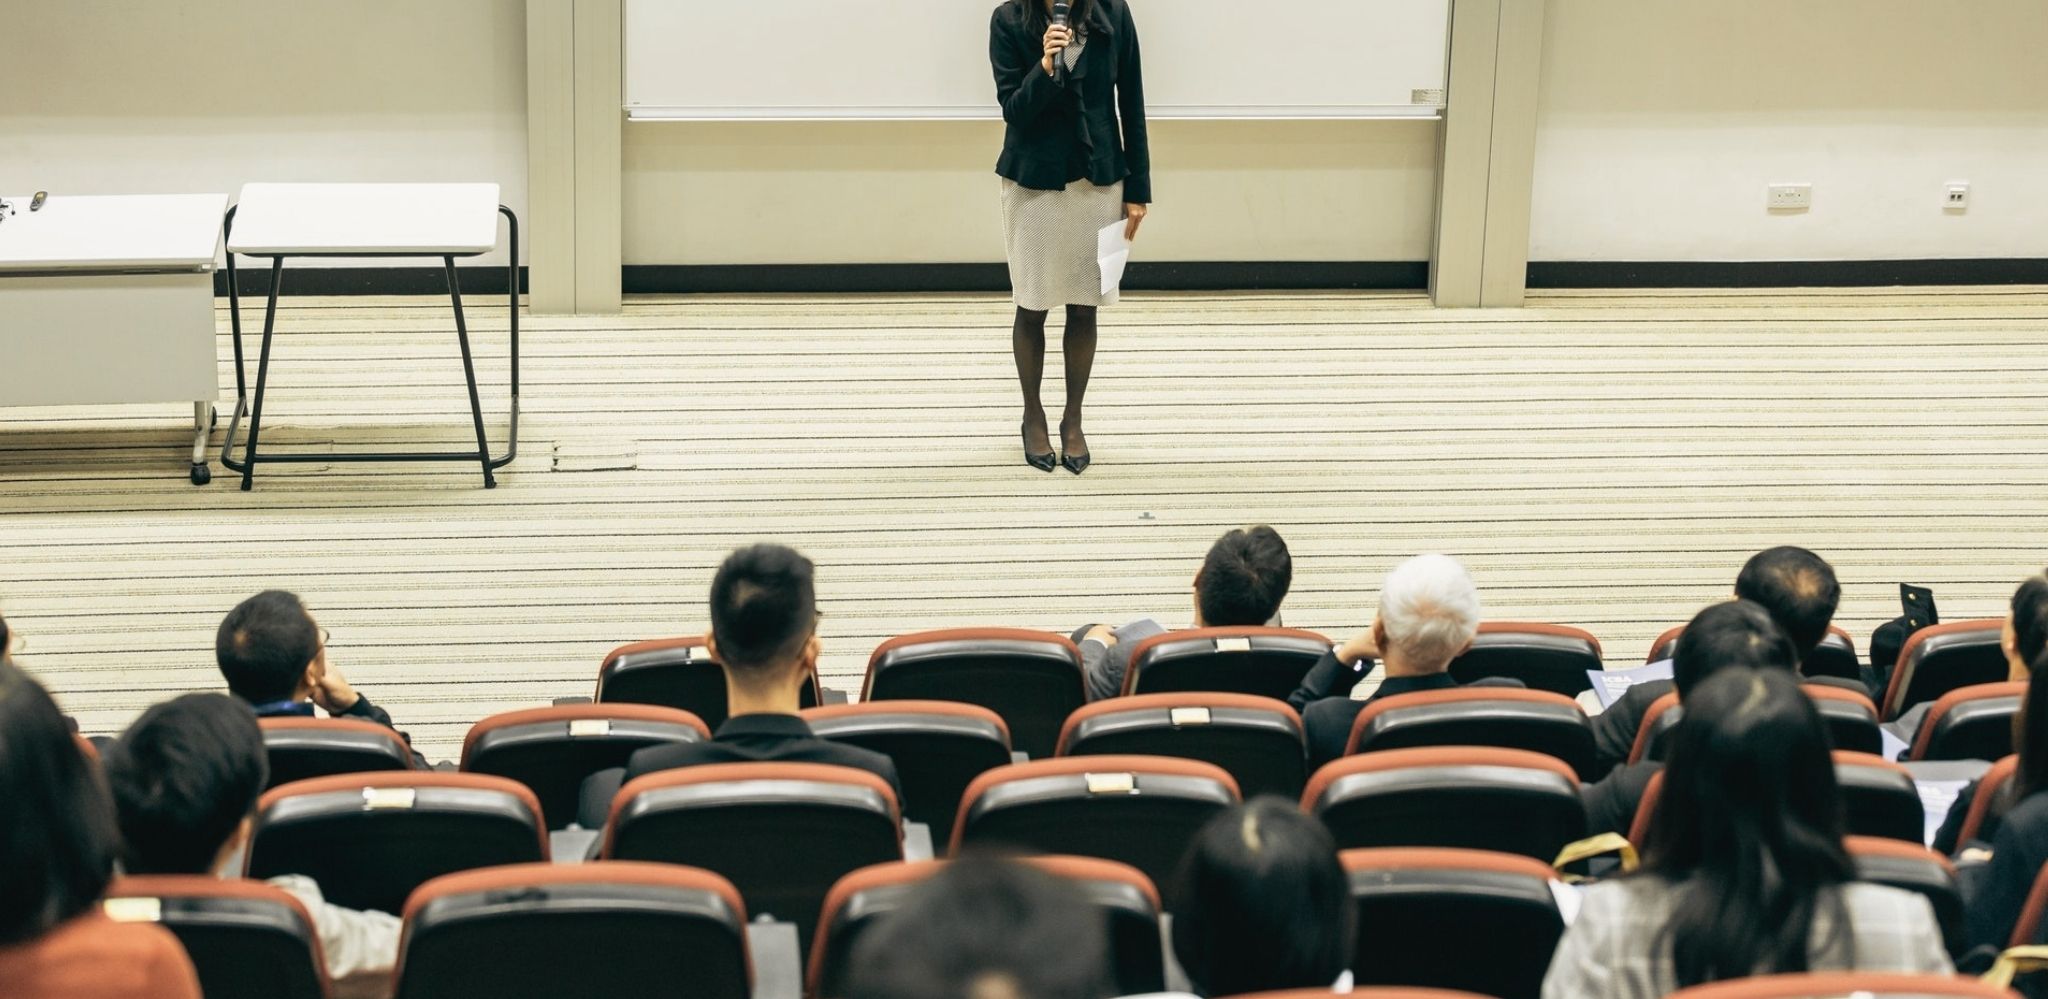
109 300
280 221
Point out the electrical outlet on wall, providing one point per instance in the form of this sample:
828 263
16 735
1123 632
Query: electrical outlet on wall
1790 197
1956 196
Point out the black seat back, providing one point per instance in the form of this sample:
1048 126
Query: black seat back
1548 657
246 939
1412 900
1256 739
1031 678
939 747
552 750
1262 662
1506 800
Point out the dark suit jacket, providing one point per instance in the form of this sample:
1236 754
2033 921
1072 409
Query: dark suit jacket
1614 730
742 739
1061 131
1611 803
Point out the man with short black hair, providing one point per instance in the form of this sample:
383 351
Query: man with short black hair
1241 583
185 779
1794 586
764 632
986 929
274 657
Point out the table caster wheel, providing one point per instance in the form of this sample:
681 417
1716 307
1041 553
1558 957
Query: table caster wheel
201 474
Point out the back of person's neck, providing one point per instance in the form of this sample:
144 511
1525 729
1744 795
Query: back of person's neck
776 698
1400 666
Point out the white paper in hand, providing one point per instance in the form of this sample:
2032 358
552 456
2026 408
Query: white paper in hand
1112 253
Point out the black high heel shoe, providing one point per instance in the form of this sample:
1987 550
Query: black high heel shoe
1043 462
1075 463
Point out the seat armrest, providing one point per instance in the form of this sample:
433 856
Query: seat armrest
778 966
917 841
574 845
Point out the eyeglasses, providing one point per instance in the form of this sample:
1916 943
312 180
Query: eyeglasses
323 638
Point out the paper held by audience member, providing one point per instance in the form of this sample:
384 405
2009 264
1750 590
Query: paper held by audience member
1112 253
1609 685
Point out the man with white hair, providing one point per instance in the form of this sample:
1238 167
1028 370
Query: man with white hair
1428 616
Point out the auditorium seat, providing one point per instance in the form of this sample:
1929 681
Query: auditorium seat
1835 655
1840 984
540 931
783 833
673 673
1850 718
1411 900
1970 723
1989 804
1879 798
1536 720
1919 870
1139 810
1552 657
370 839
1031 678
939 747
1263 662
551 750
247 939
1257 739
1125 895
1942 657
1474 797
301 748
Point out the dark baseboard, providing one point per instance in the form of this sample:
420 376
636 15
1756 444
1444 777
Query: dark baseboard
255 281
1158 276
1785 273
1143 276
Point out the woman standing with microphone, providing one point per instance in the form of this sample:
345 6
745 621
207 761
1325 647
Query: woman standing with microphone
1074 160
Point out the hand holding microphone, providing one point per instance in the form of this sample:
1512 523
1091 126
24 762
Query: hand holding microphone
1057 38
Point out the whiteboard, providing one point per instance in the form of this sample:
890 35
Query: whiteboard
807 60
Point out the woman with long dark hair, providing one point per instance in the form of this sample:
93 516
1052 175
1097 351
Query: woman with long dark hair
1075 160
2019 844
2025 641
58 842
1744 872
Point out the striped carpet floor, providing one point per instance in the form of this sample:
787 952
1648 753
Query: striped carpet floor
1605 460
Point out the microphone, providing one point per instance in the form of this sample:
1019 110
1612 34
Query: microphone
1062 17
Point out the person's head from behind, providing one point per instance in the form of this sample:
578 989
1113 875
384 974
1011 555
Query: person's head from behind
984 928
2030 733
57 835
1428 616
185 779
1799 590
269 648
1243 579
1729 634
1262 903
764 620
1751 818
2026 627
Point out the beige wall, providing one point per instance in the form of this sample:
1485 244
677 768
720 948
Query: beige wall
121 96
925 192
1661 124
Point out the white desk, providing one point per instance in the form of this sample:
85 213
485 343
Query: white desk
109 299
279 221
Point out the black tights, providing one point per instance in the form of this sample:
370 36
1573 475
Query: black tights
1027 341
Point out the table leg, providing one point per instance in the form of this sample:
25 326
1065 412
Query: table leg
202 428
262 374
476 406
512 301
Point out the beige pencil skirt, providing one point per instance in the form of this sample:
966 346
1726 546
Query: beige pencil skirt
1050 236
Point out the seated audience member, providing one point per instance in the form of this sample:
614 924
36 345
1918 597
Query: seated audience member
1797 588
2024 641
1263 904
1240 585
185 778
986 929
1733 635
274 656
6 642
1428 616
57 849
2019 840
764 632
1744 872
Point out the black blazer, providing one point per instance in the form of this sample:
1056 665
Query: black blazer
1064 131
